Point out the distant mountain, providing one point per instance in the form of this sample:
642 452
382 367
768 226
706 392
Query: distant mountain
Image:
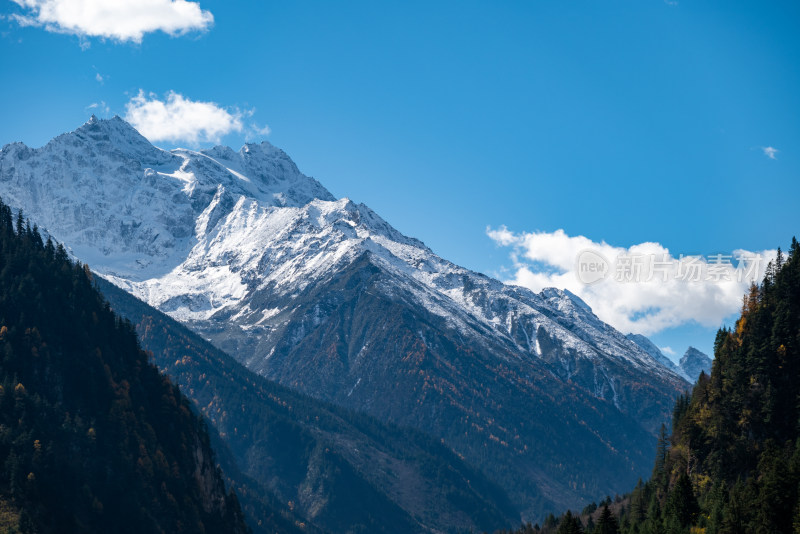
92 437
324 296
342 472
693 362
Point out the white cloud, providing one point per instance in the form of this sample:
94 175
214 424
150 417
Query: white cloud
121 20
645 288
667 350
180 119
502 236
99 77
770 152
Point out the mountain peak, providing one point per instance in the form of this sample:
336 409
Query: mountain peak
141 206
114 122
693 362
112 136
263 146
257 153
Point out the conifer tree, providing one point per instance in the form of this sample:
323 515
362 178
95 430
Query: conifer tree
570 525
659 470
607 522
682 503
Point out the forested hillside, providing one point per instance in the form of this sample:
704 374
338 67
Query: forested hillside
732 463
92 437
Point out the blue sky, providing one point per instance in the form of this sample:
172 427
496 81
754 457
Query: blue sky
624 122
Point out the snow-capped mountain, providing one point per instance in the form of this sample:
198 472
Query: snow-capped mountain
690 365
693 362
325 296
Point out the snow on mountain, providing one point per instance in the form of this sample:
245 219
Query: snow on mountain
133 209
246 250
649 347
693 362
194 233
690 365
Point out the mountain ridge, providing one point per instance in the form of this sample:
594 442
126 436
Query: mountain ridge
263 264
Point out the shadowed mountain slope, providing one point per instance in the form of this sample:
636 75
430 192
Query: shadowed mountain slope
341 471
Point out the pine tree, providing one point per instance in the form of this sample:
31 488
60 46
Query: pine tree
734 520
570 525
775 500
680 409
639 503
659 470
715 505
607 522
682 503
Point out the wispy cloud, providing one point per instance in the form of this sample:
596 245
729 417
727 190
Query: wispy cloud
655 300
120 20
770 152
179 119
99 108
255 131
252 131
99 77
667 350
